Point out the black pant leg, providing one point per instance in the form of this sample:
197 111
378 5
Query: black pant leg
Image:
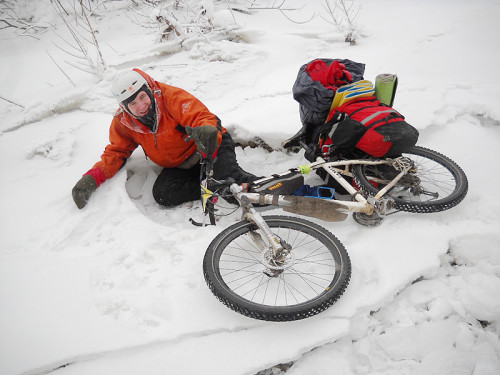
175 186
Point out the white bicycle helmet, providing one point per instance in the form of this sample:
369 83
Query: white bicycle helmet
127 84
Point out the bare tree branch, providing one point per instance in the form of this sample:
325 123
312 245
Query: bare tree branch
11 102
63 72
83 36
280 7
297 22
231 10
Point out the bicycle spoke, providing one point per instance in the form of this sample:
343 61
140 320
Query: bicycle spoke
314 269
244 274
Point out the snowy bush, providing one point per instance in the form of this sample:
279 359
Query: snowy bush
343 14
25 17
82 44
179 20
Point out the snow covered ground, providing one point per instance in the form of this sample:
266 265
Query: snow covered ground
117 288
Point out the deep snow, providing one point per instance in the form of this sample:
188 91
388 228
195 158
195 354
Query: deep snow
117 288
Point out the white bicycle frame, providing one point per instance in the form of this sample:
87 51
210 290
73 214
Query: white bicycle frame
360 203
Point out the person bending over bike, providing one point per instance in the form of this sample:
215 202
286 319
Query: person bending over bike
159 118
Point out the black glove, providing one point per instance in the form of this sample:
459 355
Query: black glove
83 190
312 152
205 137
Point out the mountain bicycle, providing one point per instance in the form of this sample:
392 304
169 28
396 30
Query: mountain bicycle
282 268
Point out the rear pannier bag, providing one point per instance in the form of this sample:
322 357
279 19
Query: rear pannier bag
316 83
365 124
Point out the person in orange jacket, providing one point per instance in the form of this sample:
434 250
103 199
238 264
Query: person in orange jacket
159 118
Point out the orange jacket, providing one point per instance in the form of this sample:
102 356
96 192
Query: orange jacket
166 147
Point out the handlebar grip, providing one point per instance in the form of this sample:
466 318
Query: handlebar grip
304 146
217 184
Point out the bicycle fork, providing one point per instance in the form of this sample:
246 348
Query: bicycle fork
279 249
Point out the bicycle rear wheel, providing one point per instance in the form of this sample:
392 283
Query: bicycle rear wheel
436 183
240 272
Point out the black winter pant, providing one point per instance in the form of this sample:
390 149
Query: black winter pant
175 186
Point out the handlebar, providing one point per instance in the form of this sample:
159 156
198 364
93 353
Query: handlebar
311 151
304 145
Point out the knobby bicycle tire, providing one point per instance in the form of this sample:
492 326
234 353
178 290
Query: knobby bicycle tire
438 182
314 276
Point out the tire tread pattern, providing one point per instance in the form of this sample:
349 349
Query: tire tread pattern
278 314
422 207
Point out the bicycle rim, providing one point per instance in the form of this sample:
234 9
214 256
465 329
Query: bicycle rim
436 184
313 276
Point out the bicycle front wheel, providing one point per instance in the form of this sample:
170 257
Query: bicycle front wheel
241 272
435 183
